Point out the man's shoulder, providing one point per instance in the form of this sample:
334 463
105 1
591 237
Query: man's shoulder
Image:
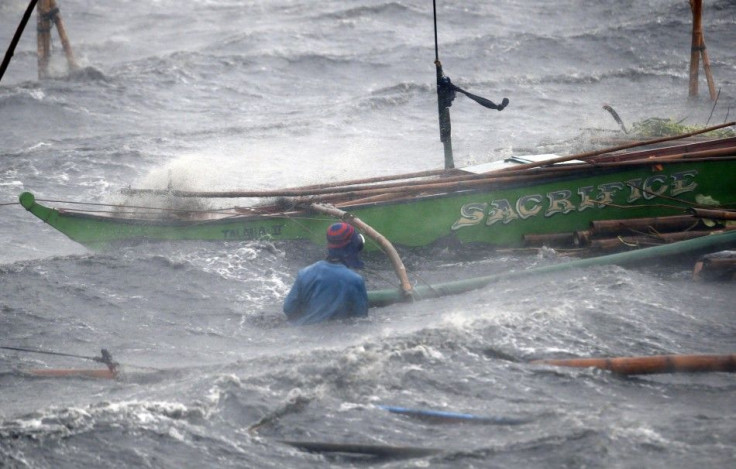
332 267
319 265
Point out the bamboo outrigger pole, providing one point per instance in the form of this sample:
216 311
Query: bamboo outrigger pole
698 49
105 357
653 364
384 243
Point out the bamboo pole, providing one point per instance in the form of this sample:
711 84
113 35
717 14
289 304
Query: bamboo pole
713 214
726 151
706 69
408 188
671 223
551 239
714 242
619 242
393 177
590 154
678 148
66 373
716 266
48 11
652 364
699 50
697 7
384 243
516 174
43 39
56 17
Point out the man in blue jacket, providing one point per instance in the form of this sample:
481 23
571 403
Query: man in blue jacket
328 289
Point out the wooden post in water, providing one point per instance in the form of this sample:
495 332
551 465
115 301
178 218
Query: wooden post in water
56 18
43 39
698 49
48 11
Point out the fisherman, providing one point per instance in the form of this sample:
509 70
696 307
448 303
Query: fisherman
329 289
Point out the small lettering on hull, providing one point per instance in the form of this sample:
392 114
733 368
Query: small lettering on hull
249 231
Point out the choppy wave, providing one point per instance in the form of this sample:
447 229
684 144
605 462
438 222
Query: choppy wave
226 94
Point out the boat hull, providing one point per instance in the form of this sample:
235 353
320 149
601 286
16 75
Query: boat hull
497 214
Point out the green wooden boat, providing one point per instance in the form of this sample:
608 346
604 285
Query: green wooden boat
501 204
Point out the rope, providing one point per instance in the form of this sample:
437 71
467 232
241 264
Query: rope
118 210
143 207
105 357
46 352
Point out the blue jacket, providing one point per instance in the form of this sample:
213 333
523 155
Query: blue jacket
326 290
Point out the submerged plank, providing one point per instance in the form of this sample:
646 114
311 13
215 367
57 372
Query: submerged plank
385 451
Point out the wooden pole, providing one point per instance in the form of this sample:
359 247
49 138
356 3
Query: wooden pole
551 239
585 156
384 243
713 214
621 242
717 266
699 50
451 183
43 39
48 11
640 225
697 8
56 16
66 373
652 364
706 68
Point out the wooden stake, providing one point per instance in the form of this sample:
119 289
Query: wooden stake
56 16
43 39
48 11
706 68
698 49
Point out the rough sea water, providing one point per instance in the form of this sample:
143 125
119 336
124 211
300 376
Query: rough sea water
232 94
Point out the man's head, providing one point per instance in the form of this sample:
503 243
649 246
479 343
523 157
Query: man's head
344 244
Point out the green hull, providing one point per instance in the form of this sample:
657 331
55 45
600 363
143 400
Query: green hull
498 214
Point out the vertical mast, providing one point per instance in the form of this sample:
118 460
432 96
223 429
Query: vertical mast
445 95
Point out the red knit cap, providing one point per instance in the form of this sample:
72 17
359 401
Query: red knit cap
339 235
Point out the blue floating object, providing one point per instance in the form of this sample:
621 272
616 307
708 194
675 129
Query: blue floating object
451 417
